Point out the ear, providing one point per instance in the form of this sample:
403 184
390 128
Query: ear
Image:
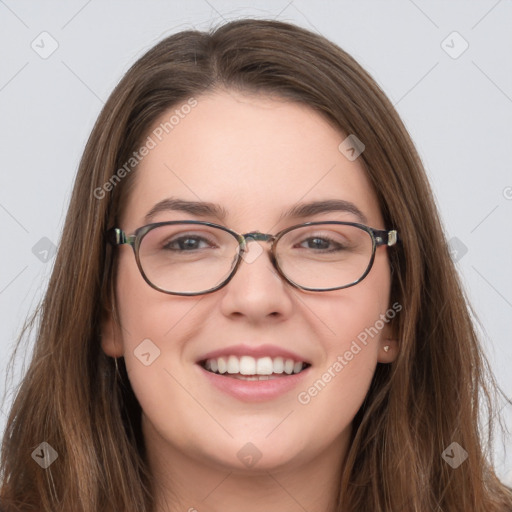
387 339
111 339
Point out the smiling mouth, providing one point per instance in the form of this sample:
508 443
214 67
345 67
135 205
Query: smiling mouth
252 369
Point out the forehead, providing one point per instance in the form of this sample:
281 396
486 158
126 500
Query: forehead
254 155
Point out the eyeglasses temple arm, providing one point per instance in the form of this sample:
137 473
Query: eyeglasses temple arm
117 236
388 238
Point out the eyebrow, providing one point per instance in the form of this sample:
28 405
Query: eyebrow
304 210
197 208
300 211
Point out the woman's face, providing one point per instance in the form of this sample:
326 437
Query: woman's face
256 158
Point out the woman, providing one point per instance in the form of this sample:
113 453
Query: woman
286 332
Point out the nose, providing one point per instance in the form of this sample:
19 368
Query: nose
257 291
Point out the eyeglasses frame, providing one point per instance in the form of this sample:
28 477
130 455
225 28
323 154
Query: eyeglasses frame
117 236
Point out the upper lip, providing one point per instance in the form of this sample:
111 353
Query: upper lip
254 351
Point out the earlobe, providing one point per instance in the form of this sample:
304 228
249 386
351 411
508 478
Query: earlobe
111 341
388 345
388 350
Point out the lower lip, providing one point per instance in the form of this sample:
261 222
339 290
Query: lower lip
255 390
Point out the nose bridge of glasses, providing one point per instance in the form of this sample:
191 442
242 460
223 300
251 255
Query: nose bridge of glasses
255 236
258 237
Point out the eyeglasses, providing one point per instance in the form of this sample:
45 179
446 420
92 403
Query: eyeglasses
194 257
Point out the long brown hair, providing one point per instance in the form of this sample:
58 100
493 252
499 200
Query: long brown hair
434 393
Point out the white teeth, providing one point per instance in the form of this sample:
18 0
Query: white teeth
247 365
278 365
222 365
233 366
288 366
254 377
265 366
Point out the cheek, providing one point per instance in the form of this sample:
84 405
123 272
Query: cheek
358 316
329 400
356 319
333 397
154 327
143 311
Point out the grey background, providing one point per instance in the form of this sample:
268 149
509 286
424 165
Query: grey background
457 108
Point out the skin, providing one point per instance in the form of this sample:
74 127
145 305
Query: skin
256 156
